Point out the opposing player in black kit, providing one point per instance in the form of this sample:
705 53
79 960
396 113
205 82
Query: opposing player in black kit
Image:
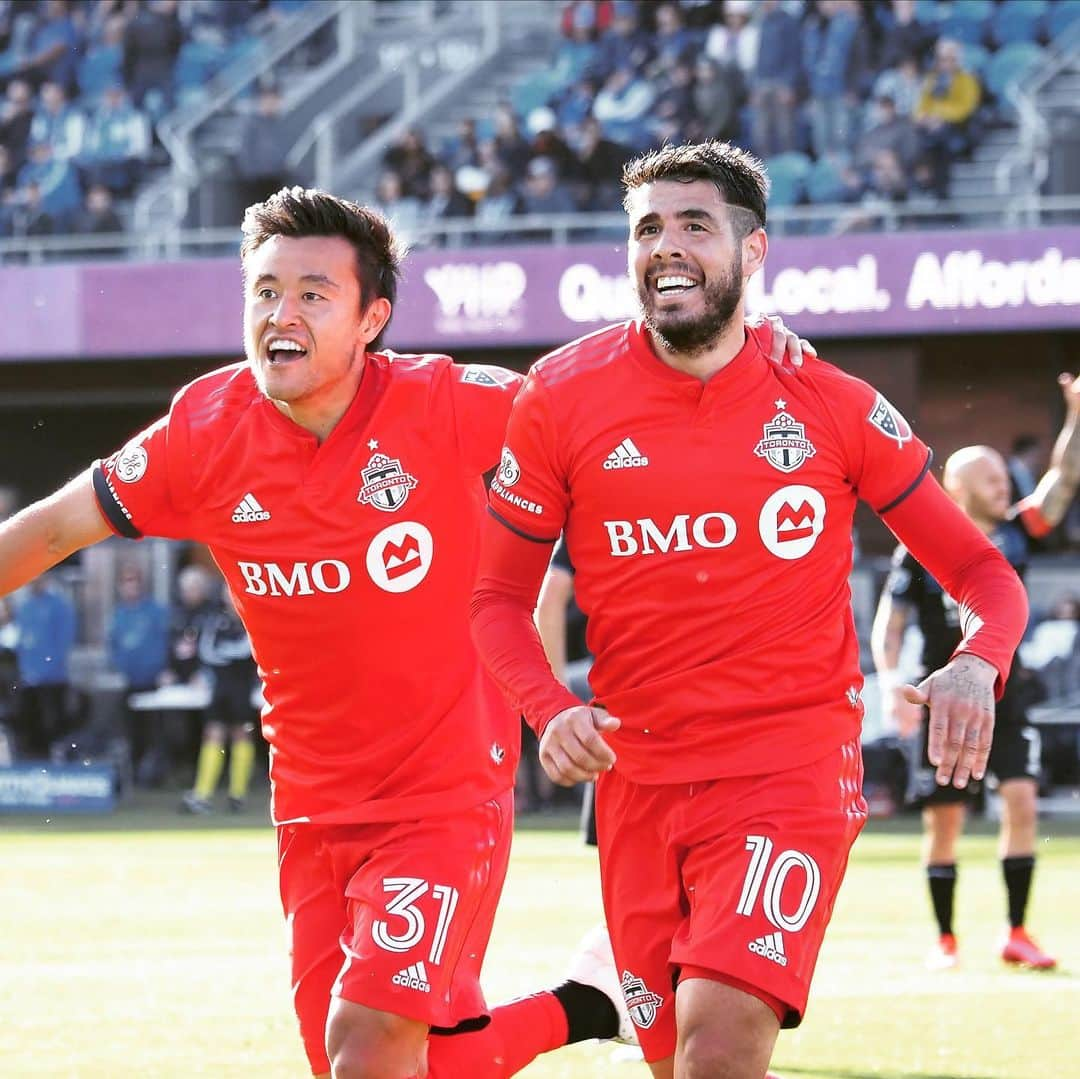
977 478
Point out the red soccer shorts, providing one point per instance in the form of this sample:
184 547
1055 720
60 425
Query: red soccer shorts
734 877
392 916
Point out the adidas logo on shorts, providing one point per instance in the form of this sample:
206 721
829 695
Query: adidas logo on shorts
771 947
413 977
249 510
625 455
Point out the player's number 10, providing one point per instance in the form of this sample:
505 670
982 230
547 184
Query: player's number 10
761 850
403 905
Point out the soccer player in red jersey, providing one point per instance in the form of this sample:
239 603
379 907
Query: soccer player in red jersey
707 508
339 489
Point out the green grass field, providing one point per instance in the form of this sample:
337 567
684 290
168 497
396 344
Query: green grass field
145 946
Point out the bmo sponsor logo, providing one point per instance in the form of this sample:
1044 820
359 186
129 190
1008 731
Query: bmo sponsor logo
645 537
791 521
328 575
399 557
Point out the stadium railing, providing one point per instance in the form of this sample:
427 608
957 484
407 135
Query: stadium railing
1019 212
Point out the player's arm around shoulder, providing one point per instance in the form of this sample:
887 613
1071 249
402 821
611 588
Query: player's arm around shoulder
1049 502
48 531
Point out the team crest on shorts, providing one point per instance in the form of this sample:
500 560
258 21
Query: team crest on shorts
386 484
784 445
641 1002
889 422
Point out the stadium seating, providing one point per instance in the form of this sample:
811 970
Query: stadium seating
788 174
1008 66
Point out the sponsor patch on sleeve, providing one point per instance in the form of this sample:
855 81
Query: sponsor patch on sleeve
479 375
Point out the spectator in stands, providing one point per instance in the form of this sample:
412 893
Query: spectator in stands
98 216
836 59
152 40
888 131
544 192
575 56
775 81
445 201
576 102
57 182
600 166
672 43
1025 464
28 216
103 63
736 40
592 15
58 123
7 174
466 148
903 36
622 107
625 44
55 46
950 95
138 642
412 162
393 200
718 95
499 202
262 143
45 620
16 118
673 110
117 145
549 143
902 83
512 147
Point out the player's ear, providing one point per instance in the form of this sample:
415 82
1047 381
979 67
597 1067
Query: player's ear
374 319
755 248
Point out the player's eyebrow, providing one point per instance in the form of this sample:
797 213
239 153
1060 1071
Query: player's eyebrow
308 278
691 213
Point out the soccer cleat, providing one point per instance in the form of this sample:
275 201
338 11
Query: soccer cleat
594 964
236 805
192 803
943 955
1020 950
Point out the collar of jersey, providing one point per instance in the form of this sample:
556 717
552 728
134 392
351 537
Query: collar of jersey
372 383
738 378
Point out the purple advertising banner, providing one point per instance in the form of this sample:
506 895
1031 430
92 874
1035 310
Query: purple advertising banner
541 296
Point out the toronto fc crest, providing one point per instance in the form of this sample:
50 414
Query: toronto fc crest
641 1002
386 484
784 445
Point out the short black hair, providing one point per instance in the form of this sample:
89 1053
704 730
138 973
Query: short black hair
297 212
738 175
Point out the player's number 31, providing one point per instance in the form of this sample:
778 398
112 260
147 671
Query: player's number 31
409 890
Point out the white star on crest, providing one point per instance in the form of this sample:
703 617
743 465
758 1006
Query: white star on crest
373 444
780 403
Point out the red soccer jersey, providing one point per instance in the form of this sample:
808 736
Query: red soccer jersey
351 564
710 529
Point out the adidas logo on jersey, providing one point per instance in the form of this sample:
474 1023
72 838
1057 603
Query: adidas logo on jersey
249 510
413 977
625 455
771 947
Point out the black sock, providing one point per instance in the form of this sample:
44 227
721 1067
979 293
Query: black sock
1018 873
942 880
589 1012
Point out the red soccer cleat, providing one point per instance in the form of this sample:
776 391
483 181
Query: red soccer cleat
1020 950
943 955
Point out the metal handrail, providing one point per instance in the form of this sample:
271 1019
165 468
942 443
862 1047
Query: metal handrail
547 228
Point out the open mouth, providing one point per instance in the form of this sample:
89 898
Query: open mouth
282 350
671 285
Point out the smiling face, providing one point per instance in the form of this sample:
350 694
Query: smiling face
690 261
305 328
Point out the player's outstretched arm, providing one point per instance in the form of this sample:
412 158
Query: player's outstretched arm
1054 493
994 612
41 535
